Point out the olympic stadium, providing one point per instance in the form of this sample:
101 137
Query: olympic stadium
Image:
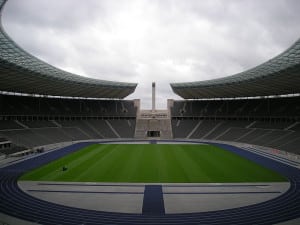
73 151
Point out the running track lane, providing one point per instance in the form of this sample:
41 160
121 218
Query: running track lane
15 202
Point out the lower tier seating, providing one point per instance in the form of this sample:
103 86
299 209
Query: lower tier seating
38 133
283 135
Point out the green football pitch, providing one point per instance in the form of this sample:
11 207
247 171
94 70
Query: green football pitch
153 163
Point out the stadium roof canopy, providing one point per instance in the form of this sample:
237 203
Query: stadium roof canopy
23 73
278 76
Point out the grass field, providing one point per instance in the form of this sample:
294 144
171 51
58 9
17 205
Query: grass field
168 163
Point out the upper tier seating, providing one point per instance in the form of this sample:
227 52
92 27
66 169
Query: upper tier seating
242 108
23 105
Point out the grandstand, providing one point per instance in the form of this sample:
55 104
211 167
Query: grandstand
260 106
263 123
42 107
36 121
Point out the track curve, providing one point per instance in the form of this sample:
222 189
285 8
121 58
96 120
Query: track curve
17 203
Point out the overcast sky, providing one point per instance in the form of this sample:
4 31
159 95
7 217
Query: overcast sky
153 40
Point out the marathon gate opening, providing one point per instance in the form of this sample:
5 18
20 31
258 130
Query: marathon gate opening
153 133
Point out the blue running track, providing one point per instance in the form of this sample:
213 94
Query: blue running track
15 202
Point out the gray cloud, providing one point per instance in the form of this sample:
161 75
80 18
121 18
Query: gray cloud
152 40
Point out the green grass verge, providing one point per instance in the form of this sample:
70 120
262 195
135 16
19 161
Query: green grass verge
168 163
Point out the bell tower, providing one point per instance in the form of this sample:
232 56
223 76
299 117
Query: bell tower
153 97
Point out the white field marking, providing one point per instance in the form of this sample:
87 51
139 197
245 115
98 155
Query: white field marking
123 143
175 143
157 142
